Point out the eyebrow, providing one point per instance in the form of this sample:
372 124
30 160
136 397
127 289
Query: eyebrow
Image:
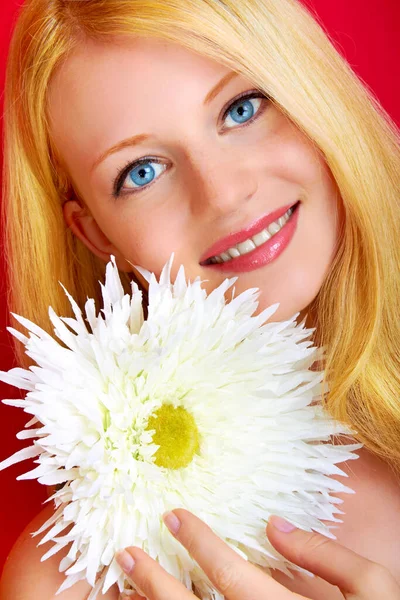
219 87
142 137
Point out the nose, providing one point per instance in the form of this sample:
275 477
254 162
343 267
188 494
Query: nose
222 181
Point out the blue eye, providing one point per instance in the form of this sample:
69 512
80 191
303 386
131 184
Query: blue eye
139 174
144 173
243 111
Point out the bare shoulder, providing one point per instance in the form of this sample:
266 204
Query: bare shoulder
25 577
371 523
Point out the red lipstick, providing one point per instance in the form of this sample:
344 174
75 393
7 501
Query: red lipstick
261 255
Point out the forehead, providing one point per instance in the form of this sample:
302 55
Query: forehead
104 91
132 72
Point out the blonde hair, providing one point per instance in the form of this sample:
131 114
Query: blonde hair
281 47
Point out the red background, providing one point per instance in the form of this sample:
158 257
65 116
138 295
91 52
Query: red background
366 33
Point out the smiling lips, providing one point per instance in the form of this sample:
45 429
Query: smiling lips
255 246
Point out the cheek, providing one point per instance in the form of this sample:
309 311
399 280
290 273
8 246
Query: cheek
312 254
285 152
291 159
295 279
147 236
298 279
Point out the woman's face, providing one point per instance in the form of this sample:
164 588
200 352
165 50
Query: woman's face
211 166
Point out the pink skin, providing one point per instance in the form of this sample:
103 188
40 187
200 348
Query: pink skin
216 177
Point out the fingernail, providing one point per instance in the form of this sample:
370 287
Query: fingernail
281 524
172 522
125 561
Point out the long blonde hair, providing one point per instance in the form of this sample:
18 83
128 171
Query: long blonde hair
280 46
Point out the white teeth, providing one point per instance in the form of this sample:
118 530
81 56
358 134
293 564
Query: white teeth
274 228
254 242
234 252
261 238
246 247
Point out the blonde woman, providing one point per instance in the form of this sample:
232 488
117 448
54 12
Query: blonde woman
234 134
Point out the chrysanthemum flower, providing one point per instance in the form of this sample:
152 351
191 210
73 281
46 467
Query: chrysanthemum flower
202 406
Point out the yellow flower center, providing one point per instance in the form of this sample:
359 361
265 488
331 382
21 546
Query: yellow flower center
177 435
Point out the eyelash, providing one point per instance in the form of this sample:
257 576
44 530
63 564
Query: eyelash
124 172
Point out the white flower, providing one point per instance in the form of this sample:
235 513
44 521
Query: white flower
202 406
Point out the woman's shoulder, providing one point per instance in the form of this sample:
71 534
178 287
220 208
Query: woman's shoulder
371 523
25 577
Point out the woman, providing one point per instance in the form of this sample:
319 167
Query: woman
234 134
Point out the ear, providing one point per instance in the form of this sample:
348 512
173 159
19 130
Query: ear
85 227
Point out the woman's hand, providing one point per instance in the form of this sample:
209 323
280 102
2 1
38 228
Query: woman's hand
357 578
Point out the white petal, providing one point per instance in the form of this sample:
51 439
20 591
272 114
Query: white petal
136 316
29 433
75 308
69 582
17 403
113 573
21 455
32 327
96 590
165 277
18 335
56 529
12 378
90 311
144 272
61 331
54 517
56 548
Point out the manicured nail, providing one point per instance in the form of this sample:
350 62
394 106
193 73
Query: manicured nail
172 522
281 524
125 561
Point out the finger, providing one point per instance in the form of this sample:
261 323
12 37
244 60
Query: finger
235 578
340 566
152 580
